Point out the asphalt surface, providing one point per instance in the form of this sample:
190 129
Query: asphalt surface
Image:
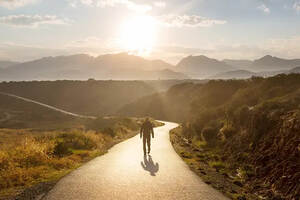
124 173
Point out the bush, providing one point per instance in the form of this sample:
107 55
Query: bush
228 131
218 165
61 149
209 134
109 131
74 140
243 115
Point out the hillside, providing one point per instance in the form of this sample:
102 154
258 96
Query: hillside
96 98
81 97
247 130
200 67
82 67
18 114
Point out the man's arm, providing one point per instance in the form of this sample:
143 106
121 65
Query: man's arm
152 132
141 131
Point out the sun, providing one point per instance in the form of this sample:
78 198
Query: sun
138 35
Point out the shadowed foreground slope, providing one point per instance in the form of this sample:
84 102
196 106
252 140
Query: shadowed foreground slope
124 174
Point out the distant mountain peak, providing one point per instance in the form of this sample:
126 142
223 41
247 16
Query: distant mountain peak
272 63
267 56
202 66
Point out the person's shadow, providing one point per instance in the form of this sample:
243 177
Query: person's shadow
148 165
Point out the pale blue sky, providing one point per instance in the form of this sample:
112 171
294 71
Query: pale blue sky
238 29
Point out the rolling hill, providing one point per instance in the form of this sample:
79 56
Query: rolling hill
91 97
17 113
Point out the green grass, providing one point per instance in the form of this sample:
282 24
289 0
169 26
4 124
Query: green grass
218 165
200 144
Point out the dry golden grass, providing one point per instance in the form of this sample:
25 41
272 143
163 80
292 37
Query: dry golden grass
27 158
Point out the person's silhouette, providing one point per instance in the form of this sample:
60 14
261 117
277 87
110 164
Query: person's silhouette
149 165
146 132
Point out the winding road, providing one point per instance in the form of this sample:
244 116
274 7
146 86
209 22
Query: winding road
125 174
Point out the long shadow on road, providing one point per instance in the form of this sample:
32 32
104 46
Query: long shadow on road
148 165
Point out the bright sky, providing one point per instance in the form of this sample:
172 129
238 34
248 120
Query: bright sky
164 29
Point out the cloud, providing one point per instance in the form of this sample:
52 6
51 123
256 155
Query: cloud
296 6
264 8
12 4
112 3
21 52
188 21
280 47
26 52
31 20
285 47
160 4
89 42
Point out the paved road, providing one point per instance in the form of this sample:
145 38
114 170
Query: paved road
47 106
124 173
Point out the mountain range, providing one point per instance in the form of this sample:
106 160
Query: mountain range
81 67
123 66
204 67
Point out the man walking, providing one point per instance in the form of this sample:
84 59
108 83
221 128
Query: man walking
146 132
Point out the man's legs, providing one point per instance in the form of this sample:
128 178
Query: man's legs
149 143
144 144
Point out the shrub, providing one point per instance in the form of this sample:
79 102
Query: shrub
75 140
109 131
243 115
209 134
61 148
218 165
228 131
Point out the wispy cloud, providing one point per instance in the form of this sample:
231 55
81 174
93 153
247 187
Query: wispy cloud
12 4
31 20
296 6
188 21
89 42
112 3
264 9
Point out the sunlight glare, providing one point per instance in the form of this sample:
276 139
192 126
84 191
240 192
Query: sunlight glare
138 35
